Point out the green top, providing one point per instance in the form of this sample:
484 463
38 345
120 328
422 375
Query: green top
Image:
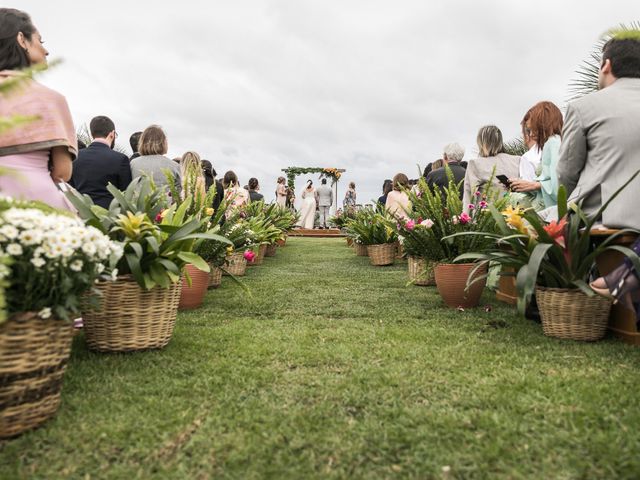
548 178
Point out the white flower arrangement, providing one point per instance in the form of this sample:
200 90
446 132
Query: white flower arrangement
48 260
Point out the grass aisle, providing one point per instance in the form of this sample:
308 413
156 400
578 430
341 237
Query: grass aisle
335 368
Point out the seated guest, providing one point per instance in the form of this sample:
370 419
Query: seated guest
98 165
254 191
134 140
530 161
207 171
387 187
237 195
543 127
453 154
193 182
153 161
492 161
398 203
601 138
211 180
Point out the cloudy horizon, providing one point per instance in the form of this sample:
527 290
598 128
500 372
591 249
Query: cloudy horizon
374 87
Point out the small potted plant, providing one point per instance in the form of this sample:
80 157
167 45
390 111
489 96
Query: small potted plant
49 260
443 211
376 229
555 260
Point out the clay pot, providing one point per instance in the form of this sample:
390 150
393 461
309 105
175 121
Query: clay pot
451 281
193 296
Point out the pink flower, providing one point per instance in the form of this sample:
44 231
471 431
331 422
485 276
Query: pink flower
478 193
483 204
471 206
249 256
464 218
410 225
159 216
427 223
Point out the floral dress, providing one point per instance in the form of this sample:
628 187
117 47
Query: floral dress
349 199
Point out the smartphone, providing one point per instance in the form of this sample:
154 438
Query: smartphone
504 180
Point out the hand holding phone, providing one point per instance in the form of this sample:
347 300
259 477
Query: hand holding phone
504 180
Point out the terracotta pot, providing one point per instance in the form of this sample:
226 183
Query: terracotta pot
271 250
349 242
282 242
193 296
451 280
215 277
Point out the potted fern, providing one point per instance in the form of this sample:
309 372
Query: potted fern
376 229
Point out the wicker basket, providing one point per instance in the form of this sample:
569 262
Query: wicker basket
421 271
215 276
259 258
33 357
130 318
571 314
271 250
236 264
399 250
282 241
383 254
361 250
349 242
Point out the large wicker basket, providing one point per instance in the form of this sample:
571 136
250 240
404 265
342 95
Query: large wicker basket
33 358
130 318
271 250
421 271
361 250
259 258
571 314
236 264
383 254
215 276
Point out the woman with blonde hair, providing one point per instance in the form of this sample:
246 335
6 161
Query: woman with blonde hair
38 153
398 203
492 161
349 201
153 162
193 180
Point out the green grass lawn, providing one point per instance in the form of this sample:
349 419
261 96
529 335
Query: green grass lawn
334 368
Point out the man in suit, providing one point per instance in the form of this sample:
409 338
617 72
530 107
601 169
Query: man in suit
601 138
453 154
324 197
98 164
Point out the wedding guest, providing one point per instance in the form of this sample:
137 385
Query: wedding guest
81 145
387 186
324 200
237 196
601 138
492 161
40 152
134 141
398 203
193 181
281 192
543 127
452 156
153 148
530 161
349 201
254 191
99 165
290 198
211 180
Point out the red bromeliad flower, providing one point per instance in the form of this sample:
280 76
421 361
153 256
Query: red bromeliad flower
410 225
464 218
556 231
249 256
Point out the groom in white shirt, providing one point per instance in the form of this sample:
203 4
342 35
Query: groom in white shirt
324 197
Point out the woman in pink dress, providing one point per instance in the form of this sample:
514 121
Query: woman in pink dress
37 154
281 192
398 203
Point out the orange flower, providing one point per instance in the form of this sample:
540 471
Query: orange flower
556 231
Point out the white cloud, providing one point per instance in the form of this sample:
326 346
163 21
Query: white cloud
371 86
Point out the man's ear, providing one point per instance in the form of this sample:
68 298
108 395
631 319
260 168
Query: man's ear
606 66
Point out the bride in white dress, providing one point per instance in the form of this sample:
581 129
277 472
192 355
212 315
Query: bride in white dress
308 207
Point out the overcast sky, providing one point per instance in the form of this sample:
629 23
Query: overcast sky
374 87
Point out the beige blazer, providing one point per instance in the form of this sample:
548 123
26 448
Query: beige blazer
480 169
600 151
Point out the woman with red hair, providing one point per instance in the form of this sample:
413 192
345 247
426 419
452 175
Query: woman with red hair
543 126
